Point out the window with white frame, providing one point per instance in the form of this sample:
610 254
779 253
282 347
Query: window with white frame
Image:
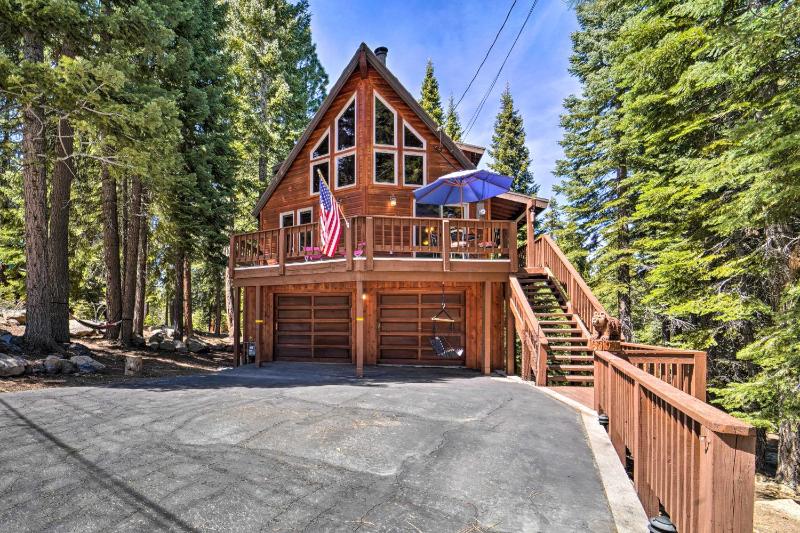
322 148
414 169
287 219
385 167
384 120
320 168
345 171
346 126
305 239
412 139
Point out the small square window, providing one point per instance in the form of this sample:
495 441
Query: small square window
385 168
317 169
287 220
413 169
304 216
345 171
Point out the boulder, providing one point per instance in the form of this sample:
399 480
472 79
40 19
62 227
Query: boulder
11 365
180 347
167 345
8 345
137 340
76 348
196 345
37 367
86 364
156 337
17 315
78 330
153 346
53 364
68 367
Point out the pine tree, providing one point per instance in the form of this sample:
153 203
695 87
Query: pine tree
452 123
429 98
510 156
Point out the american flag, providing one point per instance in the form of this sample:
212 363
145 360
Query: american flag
330 226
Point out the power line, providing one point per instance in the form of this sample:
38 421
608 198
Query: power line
477 113
496 36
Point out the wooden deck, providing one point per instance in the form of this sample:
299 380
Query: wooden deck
582 395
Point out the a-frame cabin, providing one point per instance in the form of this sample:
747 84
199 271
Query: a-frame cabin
374 145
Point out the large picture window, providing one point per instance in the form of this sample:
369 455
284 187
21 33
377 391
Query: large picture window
345 171
413 169
346 126
385 119
323 167
385 168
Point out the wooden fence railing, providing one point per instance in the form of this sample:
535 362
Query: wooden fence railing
694 461
534 342
683 369
366 237
547 254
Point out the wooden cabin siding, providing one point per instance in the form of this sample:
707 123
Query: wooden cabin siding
367 197
474 338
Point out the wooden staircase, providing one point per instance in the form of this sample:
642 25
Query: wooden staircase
569 358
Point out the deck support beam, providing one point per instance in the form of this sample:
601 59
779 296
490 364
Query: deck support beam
236 325
258 320
360 330
530 215
487 327
511 338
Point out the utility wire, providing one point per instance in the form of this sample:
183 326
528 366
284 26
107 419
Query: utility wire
496 36
477 113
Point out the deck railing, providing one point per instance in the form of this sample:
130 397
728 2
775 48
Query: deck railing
683 369
381 237
534 342
547 255
694 461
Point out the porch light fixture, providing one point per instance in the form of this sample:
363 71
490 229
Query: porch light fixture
393 200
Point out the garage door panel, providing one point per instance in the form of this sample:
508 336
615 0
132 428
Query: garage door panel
313 327
405 327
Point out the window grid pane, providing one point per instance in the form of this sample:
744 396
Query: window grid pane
324 168
412 169
345 171
384 124
346 128
384 167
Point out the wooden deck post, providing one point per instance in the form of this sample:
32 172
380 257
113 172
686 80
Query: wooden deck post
511 338
269 325
236 326
529 260
512 247
258 322
360 337
487 328
445 245
282 251
370 248
348 246
699 376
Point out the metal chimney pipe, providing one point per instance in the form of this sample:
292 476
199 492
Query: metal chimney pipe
381 52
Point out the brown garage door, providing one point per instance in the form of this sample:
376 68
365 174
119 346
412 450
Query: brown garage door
405 327
313 327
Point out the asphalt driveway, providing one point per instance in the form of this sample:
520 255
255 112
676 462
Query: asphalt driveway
298 447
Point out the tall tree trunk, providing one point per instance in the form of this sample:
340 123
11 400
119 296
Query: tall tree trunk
623 268
111 250
229 300
63 174
38 330
124 218
132 259
167 308
789 453
177 303
188 325
140 309
217 305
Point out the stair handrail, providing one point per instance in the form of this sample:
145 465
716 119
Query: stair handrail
582 300
533 338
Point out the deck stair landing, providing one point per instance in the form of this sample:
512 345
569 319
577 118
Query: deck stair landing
569 358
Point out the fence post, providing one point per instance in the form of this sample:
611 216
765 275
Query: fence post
282 251
699 375
370 243
445 244
512 247
348 244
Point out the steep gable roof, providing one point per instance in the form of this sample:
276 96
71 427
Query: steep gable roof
395 84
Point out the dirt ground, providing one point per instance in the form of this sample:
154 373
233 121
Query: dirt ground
777 508
155 364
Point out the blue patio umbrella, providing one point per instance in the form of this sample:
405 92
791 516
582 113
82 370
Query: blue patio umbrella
463 186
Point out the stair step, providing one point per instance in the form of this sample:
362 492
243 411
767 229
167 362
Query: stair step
535 307
572 368
573 357
571 379
568 348
561 330
558 323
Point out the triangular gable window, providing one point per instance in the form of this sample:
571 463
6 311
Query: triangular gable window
411 139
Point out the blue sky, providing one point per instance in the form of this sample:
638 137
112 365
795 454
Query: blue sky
456 35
